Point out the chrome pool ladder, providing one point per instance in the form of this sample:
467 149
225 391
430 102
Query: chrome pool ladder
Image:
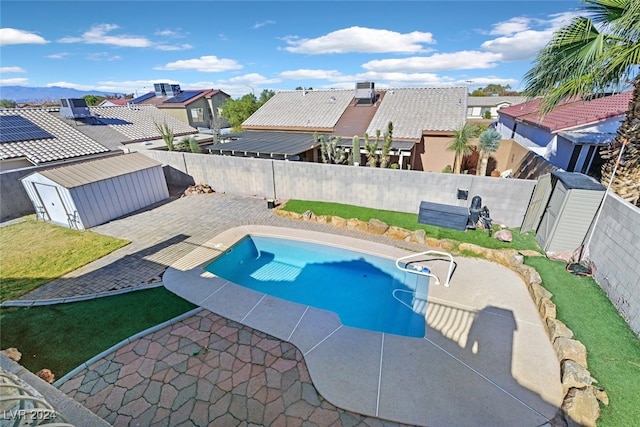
426 272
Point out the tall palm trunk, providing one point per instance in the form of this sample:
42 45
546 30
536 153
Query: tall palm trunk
626 183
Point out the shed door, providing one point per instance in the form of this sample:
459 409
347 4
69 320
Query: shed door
52 202
538 204
548 222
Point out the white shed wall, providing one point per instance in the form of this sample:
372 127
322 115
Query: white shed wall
105 200
69 206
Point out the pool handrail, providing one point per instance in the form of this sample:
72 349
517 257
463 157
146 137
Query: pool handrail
408 270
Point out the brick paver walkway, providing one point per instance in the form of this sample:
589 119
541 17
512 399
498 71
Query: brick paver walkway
207 371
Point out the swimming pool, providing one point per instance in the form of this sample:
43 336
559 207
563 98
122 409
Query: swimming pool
364 290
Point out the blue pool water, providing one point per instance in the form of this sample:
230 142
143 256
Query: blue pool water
358 287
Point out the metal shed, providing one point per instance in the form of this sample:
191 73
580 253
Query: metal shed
91 193
562 209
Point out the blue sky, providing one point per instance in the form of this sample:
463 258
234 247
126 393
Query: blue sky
242 46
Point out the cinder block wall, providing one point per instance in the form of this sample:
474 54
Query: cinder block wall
396 190
401 190
614 249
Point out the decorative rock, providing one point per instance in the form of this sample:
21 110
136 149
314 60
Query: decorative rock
570 349
600 394
353 223
581 408
322 219
363 226
12 353
538 293
46 375
574 375
397 232
418 236
308 216
336 221
546 308
197 189
377 227
504 235
558 329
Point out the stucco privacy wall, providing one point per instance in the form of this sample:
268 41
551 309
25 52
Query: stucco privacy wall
397 190
614 249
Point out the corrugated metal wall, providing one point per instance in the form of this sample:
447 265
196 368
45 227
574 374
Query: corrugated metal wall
105 200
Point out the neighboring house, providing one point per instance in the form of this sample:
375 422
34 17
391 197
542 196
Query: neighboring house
43 136
114 102
198 108
421 118
33 137
569 135
477 106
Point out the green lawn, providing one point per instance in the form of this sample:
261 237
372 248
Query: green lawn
60 337
613 350
33 253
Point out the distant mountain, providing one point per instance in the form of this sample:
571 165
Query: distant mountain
39 94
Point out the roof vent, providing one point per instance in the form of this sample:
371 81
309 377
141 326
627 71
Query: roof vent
74 108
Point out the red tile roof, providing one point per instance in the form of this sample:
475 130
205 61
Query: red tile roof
570 113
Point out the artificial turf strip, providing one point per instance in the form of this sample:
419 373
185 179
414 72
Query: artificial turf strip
60 337
613 350
35 252
409 221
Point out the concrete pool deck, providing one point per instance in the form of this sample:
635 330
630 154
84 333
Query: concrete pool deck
485 358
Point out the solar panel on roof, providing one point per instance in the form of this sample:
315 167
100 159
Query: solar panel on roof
182 97
18 128
143 97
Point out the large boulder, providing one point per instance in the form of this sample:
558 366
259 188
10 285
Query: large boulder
377 227
581 408
504 235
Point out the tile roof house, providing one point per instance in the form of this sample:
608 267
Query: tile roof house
568 136
417 115
198 108
34 137
478 106
45 136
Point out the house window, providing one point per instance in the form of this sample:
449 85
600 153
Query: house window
197 114
574 158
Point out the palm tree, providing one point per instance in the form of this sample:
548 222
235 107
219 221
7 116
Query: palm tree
460 144
590 56
488 144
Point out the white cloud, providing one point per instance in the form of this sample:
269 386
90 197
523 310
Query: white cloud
22 81
519 46
61 55
166 47
522 38
99 34
12 70
262 24
205 64
103 56
10 36
462 60
360 39
513 25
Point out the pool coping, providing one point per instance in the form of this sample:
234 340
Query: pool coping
374 373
